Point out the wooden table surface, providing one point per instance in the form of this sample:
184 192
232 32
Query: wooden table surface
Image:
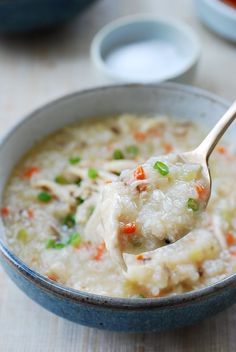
40 68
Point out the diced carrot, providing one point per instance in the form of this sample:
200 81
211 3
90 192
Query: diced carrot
140 136
5 211
142 188
99 251
154 131
139 173
129 228
201 190
30 213
110 147
230 238
108 181
139 257
53 277
28 173
168 148
233 252
220 149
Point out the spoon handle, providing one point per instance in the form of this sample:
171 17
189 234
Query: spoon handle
208 144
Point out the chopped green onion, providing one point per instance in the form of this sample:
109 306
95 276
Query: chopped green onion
60 179
116 173
69 220
74 160
227 215
91 210
59 245
132 150
22 235
92 173
53 244
141 296
78 182
118 154
79 200
161 168
74 239
44 197
50 243
193 204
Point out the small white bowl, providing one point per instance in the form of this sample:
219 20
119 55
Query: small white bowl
172 50
218 16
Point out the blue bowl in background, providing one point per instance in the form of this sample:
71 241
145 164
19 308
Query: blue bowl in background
19 16
111 313
218 16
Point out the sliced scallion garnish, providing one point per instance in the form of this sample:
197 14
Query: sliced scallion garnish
131 151
74 160
193 204
118 154
44 197
60 179
161 168
69 220
92 173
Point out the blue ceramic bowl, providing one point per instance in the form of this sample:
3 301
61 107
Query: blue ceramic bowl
27 15
218 16
118 314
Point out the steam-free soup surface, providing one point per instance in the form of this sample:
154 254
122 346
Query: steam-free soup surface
54 191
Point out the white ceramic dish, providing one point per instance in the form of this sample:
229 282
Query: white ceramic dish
219 17
169 35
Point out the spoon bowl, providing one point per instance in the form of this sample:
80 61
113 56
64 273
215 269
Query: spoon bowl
201 154
149 240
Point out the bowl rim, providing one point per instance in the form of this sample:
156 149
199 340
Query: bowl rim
99 300
183 28
221 8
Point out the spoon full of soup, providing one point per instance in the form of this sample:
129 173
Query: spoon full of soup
159 201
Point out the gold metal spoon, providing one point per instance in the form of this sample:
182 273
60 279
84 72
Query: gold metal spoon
201 154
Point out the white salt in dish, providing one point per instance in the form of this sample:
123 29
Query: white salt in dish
146 49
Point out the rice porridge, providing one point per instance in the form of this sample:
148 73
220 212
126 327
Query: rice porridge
53 194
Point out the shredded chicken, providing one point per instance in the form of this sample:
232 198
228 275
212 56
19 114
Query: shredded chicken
105 222
85 210
216 222
119 165
66 193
